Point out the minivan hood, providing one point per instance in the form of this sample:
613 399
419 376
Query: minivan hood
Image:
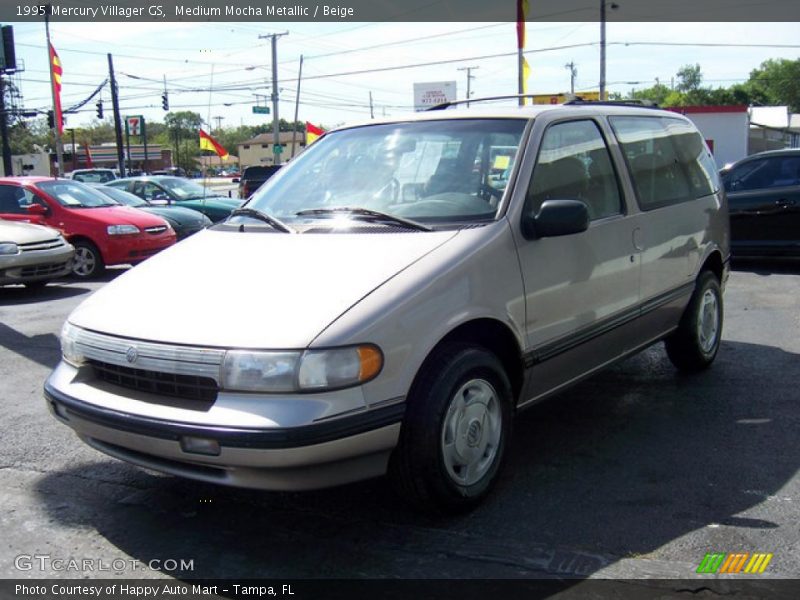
250 290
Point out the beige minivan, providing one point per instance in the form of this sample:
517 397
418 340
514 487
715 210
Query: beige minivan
394 295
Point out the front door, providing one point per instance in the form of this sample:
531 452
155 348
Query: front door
764 204
581 290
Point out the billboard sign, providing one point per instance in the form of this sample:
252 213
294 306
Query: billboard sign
430 94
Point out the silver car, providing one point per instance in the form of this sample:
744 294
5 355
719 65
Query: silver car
32 254
390 299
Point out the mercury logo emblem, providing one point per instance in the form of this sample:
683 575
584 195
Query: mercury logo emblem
131 354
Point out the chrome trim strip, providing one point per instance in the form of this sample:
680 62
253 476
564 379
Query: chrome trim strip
166 358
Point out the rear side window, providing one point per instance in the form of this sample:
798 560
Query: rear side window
765 173
574 164
667 158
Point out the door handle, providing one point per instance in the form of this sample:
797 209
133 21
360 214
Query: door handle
636 239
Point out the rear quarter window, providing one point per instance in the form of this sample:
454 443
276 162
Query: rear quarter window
667 159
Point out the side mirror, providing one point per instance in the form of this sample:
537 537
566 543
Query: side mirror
555 218
37 209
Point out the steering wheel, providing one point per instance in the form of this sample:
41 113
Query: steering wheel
487 191
393 186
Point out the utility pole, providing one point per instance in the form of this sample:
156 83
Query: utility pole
74 159
276 144
7 167
371 111
296 107
218 119
470 77
56 126
117 124
613 6
573 73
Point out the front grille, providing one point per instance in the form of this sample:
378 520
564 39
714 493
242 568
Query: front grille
44 245
156 229
189 387
39 270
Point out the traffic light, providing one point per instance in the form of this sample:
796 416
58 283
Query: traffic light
99 109
51 120
165 101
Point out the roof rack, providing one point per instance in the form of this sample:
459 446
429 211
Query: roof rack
576 101
642 103
450 103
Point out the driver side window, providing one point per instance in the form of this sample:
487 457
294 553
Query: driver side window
574 164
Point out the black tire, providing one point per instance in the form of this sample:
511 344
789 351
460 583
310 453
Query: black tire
422 470
88 262
694 345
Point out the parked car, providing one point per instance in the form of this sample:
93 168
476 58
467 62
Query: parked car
92 175
764 197
171 171
32 254
103 232
254 177
180 191
391 311
184 221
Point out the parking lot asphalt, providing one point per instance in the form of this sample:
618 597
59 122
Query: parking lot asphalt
637 472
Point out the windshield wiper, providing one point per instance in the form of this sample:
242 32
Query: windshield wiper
257 214
374 215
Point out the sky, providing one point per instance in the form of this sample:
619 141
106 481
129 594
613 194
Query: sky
216 69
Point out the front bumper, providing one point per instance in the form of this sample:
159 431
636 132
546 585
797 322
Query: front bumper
127 249
41 265
316 455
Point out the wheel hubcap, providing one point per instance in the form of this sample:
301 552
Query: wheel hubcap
471 432
84 262
708 321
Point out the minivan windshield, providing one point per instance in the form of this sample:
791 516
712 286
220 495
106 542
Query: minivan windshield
447 170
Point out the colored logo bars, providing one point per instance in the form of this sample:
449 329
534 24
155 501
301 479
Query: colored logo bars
735 562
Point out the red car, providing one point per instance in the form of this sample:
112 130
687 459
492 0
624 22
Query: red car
103 232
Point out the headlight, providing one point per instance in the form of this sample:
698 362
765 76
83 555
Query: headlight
122 229
69 346
8 248
309 371
259 371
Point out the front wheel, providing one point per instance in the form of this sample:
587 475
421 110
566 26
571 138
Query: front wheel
694 345
88 262
457 427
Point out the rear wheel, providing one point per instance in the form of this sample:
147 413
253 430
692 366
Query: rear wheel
455 432
694 345
88 262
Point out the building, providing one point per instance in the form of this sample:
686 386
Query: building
725 129
259 151
105 156
773 128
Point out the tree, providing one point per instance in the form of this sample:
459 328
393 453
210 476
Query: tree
776 82
186 122
689 78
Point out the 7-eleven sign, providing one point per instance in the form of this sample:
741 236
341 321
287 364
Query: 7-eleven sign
133 125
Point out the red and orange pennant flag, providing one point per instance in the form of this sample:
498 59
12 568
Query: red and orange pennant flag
209 143
522 15
57 71
312 133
